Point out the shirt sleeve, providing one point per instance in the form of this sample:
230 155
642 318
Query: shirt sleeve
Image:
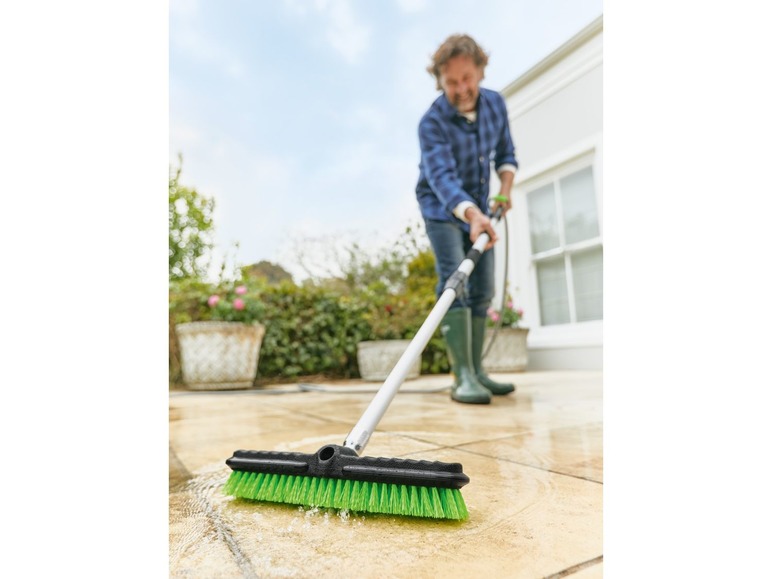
440 166
461 208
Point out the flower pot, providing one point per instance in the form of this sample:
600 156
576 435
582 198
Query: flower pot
219 355
508 353
377 358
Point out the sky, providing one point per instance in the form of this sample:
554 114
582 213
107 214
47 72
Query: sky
300 117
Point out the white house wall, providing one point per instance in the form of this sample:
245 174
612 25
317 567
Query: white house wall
556 119
559 122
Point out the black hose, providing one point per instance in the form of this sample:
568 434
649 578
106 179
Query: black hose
503 289
306 387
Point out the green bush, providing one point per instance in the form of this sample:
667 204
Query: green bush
190 228
400 314
314 329
310 330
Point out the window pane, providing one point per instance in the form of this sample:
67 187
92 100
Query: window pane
542 214
580 214
587 269
553 292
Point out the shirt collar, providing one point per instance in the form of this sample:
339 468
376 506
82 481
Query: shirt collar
450 111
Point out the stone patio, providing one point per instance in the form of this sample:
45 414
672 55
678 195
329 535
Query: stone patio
535 498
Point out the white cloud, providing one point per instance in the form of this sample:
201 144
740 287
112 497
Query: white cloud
187 35
182 138
342 29
183 7
368 118
412 6
345 34
303 7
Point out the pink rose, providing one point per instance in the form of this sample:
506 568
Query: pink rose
212 301
520 312
491 311
510 305
241 290
238 304
495 316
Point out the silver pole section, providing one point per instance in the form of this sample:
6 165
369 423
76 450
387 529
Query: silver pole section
359 436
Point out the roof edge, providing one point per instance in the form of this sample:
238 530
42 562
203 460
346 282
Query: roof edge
588 32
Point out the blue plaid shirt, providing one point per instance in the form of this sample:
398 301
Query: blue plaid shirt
456 155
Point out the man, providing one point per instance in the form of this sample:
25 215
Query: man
463 131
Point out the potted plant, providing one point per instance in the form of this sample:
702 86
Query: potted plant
220 344
391 322
505 348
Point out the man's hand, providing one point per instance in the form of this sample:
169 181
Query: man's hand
507 179
480 223
502 200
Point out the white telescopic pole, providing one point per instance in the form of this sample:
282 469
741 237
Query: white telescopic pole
359 436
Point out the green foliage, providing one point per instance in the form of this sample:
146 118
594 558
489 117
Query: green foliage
190 227
192 300
400 314
509 316
310 330
266 271
187 300
236 302
313 329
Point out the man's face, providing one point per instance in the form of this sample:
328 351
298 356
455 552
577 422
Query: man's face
460 80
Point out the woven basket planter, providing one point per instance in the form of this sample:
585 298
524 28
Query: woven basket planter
377 358
509 352
219 355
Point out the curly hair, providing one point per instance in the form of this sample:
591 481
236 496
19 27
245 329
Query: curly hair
456 45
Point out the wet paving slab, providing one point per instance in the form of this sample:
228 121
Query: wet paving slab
535 496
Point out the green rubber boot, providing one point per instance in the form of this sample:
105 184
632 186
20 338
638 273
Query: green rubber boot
478 338
456 329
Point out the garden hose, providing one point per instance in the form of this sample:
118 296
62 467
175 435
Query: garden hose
308 387
496 328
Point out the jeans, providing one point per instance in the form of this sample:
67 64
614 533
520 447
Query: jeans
450 244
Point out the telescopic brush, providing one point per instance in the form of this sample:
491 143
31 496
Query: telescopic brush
338 477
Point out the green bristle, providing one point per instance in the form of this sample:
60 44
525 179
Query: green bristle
340 498
435 503
327 491
449 505
402 503
383 503
310 496
282 487
271 487
296 490
374 501
232 482
357 496
415 502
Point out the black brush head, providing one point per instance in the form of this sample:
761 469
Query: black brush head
333 461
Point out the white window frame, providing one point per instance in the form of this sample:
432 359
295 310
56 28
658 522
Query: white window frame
553 176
